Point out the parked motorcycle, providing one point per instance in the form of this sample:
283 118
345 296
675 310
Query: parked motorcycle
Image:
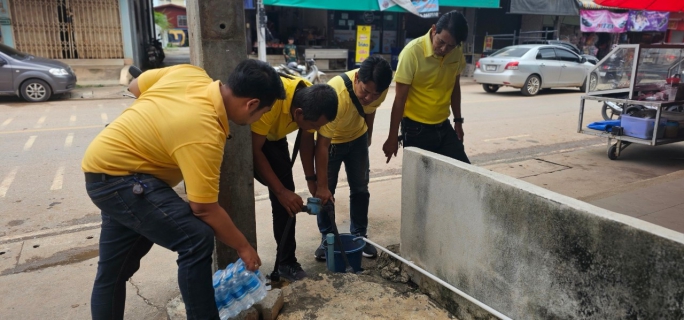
155 54
309 71
613 110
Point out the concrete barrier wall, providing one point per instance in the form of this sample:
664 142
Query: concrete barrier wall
533 254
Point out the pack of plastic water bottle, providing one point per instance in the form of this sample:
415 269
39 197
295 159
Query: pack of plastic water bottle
237 289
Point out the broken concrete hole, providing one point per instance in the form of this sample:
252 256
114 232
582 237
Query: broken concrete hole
36 246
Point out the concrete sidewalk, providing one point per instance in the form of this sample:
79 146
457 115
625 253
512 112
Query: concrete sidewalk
645 182
51 277
97 92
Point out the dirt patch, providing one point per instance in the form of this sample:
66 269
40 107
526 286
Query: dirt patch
352 296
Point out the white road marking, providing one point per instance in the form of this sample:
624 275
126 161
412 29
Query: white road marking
69 140
509 137
40 122
104 118
4 186
59 179
29 143
6 122
72 120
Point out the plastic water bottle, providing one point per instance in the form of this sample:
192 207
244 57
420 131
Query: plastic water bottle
254 287
229 308
238 292
219 290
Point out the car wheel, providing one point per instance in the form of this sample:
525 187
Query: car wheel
593 82
35 90
490 88
532 85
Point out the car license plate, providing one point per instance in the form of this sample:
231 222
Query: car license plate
491 68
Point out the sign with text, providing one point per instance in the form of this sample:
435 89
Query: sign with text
648 21
603 21
363 43
422 8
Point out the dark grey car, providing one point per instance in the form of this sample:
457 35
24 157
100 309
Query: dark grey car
32 78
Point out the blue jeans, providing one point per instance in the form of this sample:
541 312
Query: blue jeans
131 224
354 155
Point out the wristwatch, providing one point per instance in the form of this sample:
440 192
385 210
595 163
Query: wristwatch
311 178
458 120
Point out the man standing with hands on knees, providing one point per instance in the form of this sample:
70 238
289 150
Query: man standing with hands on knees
428 82
305 107
176 130
346 140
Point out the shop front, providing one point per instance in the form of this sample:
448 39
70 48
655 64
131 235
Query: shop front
604 28
675 28
328 29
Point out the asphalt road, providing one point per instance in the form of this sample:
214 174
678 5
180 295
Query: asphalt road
42 188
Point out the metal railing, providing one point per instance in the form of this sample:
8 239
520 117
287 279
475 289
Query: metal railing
67 29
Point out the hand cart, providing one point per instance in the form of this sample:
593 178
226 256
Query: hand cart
638 78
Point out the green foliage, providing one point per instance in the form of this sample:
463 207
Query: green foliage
161 20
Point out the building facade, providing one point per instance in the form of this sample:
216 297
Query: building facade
178 23
96 37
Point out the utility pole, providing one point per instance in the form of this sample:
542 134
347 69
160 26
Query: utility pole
217 44
261 30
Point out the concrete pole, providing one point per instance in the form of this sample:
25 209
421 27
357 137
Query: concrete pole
217 43
261 30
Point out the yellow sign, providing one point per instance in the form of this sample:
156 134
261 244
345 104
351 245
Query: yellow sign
363 43
488 43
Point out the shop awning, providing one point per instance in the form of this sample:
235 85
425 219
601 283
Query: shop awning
591 5
545 7
651 5
372 5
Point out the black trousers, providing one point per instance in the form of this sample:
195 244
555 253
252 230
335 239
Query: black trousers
439 138
278 156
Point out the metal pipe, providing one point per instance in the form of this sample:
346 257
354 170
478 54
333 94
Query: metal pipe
442 282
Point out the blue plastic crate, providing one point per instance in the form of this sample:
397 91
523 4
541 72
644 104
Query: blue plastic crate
640 127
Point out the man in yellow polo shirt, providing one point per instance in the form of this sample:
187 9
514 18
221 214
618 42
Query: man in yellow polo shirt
175 130
346 140
428 82
305 107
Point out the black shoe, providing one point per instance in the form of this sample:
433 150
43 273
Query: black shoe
369 251
292 272
320 252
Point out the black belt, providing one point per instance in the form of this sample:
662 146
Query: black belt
436 125
98 177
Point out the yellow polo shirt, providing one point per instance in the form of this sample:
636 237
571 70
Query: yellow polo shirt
432 80
278 123
175 130
348 125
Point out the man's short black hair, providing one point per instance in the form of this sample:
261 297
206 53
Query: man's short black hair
455 23
316 101
378 70
256 79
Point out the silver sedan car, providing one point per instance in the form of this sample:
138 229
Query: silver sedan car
532 68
